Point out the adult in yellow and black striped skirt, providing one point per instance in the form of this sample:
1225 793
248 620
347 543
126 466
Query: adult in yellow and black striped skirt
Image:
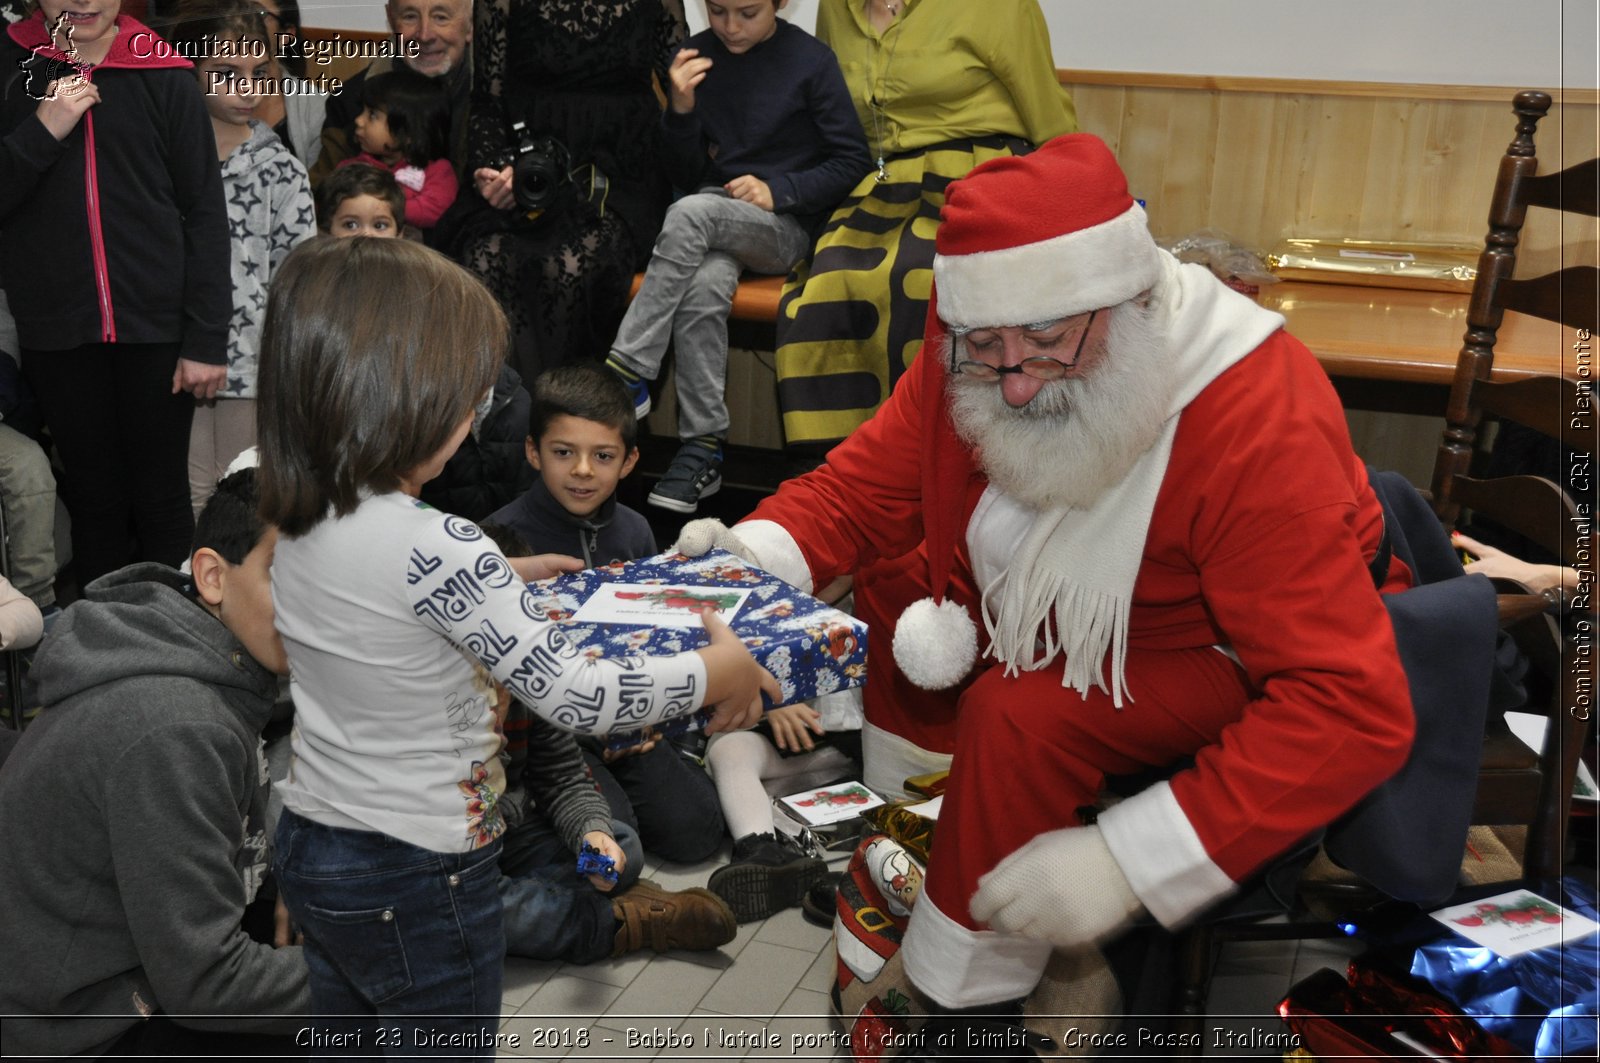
941 86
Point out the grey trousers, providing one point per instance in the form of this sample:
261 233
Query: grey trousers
28 493
707 240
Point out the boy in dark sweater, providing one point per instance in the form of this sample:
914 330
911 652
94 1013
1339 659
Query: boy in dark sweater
761 130
553 809
582 440
132 812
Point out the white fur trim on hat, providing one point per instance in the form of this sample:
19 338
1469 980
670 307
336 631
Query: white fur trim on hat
1073 273
935 644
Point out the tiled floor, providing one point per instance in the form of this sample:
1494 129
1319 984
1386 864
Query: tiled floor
764 996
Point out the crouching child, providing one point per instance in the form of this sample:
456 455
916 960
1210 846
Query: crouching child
132 813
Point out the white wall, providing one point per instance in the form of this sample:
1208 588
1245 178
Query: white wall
368 14
350 15
1451 42
1516 43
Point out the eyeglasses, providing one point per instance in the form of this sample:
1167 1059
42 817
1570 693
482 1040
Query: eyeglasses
1039 367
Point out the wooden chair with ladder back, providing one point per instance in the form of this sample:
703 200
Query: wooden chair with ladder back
1516 786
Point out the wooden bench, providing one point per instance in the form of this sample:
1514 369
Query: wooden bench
755 301
753 322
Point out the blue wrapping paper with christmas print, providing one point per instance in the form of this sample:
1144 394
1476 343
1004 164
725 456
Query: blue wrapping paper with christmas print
650 606
1545 1002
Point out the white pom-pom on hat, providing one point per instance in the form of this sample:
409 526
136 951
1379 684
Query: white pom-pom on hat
935 643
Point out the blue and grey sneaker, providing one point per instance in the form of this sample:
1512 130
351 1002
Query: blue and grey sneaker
695 473
638 388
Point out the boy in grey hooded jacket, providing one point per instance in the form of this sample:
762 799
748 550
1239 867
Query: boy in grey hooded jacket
131 812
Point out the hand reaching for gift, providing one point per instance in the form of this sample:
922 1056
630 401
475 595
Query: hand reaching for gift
698 537
734 681
792 726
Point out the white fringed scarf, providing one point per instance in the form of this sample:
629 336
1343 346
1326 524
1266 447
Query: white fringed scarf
1068 586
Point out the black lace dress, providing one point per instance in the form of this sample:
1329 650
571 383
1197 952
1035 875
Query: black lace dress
579 71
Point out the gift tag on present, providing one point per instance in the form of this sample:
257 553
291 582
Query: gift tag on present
1510 924
832 804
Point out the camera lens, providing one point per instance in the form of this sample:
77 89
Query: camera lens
541 171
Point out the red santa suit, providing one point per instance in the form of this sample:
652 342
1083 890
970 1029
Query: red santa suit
1255 642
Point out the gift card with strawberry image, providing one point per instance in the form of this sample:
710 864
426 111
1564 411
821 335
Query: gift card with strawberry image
833 804
1513 923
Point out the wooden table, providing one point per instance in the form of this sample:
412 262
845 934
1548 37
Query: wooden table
1387 349
1394 350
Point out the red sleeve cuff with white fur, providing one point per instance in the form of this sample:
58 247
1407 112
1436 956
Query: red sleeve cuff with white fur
1158 850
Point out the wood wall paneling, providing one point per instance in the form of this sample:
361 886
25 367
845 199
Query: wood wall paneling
1264 159
1330 164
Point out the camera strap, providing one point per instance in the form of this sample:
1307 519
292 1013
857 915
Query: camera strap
594 185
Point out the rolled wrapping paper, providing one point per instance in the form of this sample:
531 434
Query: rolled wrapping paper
896 873
1421 266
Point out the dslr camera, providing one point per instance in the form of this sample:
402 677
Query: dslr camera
540 168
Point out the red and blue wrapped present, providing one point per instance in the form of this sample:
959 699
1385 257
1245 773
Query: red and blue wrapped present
652 606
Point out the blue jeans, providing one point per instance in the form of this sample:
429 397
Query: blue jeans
552 912
668 800
706 241
392 929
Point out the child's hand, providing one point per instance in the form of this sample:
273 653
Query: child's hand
751 189
608 847
201 379
494 186
283 928
61 114
644 745
543 566
687 71
734 681
792 726
1497 564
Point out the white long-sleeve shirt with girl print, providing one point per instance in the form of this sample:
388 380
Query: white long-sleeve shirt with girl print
390 616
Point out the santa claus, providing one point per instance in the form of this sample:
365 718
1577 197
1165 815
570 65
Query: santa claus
1142 491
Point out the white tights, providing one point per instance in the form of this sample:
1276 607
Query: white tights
749 771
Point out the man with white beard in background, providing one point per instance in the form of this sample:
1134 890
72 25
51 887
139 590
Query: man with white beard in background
1142 489
432 37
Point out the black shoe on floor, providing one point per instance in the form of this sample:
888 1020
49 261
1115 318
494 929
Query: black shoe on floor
768 873
820 905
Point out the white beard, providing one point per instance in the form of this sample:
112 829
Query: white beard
1078 437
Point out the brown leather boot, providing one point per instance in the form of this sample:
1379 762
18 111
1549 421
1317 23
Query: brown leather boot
651 917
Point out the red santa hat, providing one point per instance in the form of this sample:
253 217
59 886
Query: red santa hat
1024 239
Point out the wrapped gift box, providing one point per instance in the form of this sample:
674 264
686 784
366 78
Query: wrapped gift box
1545 1000
1382 1017
1426 267
649 606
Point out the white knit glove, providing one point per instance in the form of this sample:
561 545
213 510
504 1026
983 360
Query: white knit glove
708 533
1063 887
